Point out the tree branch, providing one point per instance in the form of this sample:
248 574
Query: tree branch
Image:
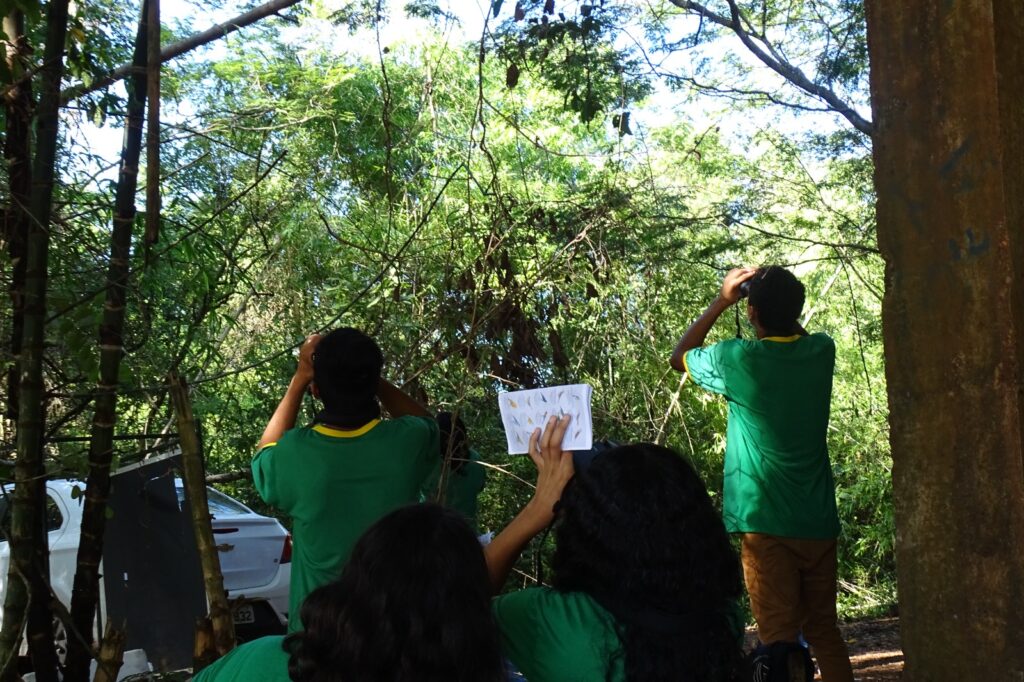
182 46
776 62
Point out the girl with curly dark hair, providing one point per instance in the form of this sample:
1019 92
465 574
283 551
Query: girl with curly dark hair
412 605
645 582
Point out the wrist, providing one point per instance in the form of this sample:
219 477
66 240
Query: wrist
539 513
721 303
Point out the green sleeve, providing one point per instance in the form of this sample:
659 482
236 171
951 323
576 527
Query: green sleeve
270 478
708 366
515 614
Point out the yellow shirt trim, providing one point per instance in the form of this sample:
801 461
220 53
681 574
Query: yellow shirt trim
782 339
686 367
338 433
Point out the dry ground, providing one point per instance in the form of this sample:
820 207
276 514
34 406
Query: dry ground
874 649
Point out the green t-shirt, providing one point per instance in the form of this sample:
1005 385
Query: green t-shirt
461 487
778 479
336 484
553 636
261 660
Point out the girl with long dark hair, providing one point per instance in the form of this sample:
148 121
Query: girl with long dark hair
412 605
645 582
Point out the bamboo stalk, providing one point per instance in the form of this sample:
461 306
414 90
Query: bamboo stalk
195 488
85 594
111 655
29 492
153 122
182 46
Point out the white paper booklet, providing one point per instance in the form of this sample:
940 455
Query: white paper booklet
524 411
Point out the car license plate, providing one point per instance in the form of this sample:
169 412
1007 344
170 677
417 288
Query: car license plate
244 615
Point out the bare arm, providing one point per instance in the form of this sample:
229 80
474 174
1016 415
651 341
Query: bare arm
554 469
398 403
698 331
287 410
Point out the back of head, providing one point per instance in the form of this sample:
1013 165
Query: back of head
412 605
454 441
637 531
346 370
778 297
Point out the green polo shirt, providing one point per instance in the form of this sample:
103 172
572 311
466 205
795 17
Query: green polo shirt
778 479
461 487
261 660
336 484
553 636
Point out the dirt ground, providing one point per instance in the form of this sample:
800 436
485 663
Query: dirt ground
874 648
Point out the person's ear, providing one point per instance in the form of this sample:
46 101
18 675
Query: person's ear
752 314
314 391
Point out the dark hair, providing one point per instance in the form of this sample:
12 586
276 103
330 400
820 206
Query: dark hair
636 530
778 297
454 440
413 604
346 369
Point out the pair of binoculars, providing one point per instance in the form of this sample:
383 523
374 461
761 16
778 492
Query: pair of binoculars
744 289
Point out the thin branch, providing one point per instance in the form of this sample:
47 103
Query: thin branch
776 62
182 46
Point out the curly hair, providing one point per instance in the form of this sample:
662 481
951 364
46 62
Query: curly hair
636 530
412 605
778 297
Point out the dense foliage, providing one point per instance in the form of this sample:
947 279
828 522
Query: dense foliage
490 237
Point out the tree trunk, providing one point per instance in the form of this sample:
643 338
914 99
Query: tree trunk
947 87
111 655
85 594
17 155
153 123
195 485
25 580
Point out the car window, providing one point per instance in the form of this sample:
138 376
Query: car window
218 502
54 517
224 505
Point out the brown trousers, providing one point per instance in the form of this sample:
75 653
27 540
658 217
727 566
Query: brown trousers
792 587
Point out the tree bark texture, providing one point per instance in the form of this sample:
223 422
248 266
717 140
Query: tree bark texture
195 485
26 579
17 155
85 593
946 86
111 655
153 122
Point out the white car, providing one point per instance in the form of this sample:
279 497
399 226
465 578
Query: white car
255 554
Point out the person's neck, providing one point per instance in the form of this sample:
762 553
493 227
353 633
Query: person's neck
763 333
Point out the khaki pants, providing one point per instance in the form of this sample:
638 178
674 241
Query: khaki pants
792 586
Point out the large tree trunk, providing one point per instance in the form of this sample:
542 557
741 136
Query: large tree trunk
85 594
946 85
26 579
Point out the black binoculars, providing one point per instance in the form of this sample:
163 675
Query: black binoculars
744 289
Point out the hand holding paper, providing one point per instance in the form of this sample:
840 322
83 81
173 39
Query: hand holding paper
524 411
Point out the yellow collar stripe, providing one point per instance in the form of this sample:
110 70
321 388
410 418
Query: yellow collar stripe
338 433
782 339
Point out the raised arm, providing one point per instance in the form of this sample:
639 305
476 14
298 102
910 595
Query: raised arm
698 331
287 410
398 403
554 469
